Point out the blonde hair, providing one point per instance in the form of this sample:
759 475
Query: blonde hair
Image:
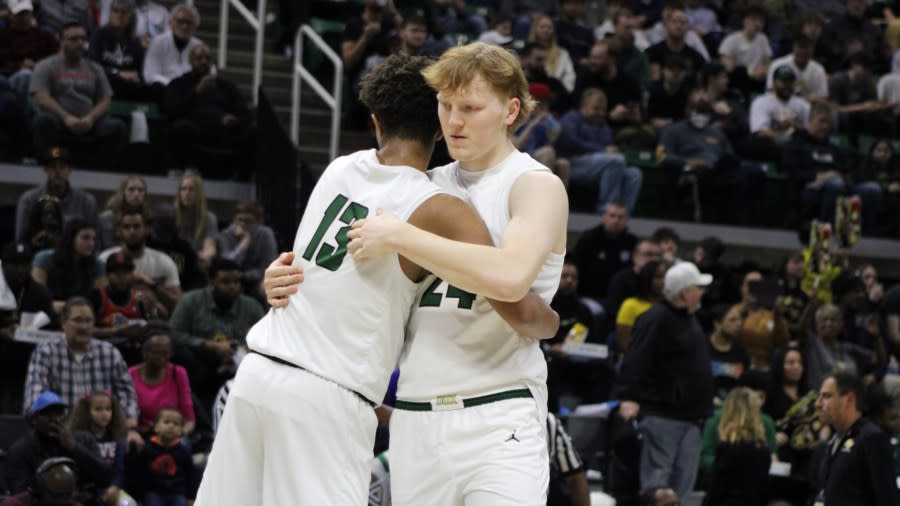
199 209
741 419
458 66
553 50
116 201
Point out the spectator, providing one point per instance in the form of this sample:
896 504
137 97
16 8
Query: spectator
632 61
559 64
73 97
457 18
118 50
649 291
669 242
748 52
54 482
855 92
167 54
160 384
248 243
668 95
586 141
76 363
793 305
881 167
413 38
777 114
165 465
724 288
675 22
212 323
151 19
74 202
155 271
72 269
729 191
669 379
729 359
853 33
54 15
626 282
792 404
45 224
817 165
22 300
763 329
862 322
822 351
729 106
500 32
735 451
534 64
22 45
365 35
164 237
588 380
571 31
122 308
601 252
657 33
131 194
703 21
856 465
538 133
196 223
811 82
812 26
99 414
208 110
49 437
884 410
601 70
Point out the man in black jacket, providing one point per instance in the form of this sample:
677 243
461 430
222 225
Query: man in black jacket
856 466
208 110
50 437
666 376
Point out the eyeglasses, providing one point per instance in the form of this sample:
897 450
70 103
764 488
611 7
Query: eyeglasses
76 38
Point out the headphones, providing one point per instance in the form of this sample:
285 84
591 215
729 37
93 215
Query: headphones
46 466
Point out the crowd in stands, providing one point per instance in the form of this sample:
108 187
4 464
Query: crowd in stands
723 95
62 63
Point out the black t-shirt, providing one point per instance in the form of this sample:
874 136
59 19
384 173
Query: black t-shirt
662 104
693 60
598 257
114 52
185 258
380 44
727 367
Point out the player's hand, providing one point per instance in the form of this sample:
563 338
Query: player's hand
282 280
629 410
371 237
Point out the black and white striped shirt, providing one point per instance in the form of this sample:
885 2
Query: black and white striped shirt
563 455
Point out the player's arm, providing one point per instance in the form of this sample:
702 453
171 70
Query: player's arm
450 218
282 279
538 208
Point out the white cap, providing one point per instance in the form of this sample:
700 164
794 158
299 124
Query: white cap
683 275
21 5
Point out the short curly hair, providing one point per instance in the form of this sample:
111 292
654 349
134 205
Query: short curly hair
399 97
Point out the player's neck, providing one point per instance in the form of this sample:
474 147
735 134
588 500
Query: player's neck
402 152
490 159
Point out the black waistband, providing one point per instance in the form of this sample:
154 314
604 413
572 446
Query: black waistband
295 366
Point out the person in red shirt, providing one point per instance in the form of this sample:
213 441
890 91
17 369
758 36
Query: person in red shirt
22 45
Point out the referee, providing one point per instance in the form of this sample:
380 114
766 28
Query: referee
568 477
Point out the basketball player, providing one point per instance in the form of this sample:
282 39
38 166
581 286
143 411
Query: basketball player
299 426
468 422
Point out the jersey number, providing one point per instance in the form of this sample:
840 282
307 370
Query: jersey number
431 298
328 256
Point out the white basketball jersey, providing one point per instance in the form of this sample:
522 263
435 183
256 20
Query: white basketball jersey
457 344
346 321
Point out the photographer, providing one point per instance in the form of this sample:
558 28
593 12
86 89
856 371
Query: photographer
764 329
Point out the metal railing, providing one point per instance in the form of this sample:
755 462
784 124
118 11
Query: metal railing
333 100
258 23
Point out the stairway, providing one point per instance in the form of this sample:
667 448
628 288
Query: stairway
315 116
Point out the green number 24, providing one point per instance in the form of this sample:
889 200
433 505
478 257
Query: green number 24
328 256
431 298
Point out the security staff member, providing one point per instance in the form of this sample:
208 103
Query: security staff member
855 467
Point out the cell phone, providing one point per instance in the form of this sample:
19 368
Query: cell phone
765 292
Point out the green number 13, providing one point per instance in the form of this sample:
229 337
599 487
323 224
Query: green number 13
328 256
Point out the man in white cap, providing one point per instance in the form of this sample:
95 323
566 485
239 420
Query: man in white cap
666 377
24 45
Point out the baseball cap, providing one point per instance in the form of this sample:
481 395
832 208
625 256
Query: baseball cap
20 6
15 253
119 261
46 400
539 91
683 275
55 153
784 73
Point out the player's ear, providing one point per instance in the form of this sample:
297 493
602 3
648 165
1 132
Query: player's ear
438 136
